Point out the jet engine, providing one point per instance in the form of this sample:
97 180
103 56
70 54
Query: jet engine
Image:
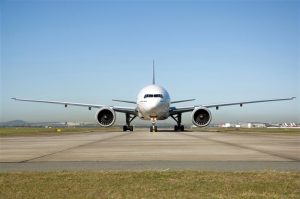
201 116
106 117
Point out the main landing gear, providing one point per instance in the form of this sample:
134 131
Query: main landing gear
153 127
177 119
129 119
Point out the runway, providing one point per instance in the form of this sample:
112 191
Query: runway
142 150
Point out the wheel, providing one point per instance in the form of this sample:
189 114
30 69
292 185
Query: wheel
151 129
175 128
181 128
124 128
131 128
155 128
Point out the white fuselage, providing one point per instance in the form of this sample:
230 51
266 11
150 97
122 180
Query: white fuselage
153 102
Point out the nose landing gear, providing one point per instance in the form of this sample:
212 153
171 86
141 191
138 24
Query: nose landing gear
153 127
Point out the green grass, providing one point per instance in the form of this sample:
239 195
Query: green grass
28 131
150 184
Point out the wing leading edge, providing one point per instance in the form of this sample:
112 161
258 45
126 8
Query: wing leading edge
129 110
246 102
176 110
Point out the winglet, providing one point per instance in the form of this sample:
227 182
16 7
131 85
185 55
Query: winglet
153 80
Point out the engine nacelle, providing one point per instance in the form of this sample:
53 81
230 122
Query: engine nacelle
201 116
106 117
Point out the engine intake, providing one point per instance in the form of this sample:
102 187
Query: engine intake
106 117
201 116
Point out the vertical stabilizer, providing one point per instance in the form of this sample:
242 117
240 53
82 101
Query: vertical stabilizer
153 80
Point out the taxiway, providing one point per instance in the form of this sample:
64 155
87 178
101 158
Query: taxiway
142 150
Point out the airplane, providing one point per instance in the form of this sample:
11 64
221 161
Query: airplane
153 103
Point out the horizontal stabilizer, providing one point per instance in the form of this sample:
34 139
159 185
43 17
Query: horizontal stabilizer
125 101
189 100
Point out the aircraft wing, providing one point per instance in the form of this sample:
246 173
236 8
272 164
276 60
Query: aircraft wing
177 110
129 110
246 102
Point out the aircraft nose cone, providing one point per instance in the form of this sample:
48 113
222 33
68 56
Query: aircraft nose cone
152 107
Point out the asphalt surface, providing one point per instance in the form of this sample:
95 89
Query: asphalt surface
142 150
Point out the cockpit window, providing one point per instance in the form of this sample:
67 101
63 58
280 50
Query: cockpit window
153 95
158 95
148 95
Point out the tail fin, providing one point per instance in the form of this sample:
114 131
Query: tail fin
153 80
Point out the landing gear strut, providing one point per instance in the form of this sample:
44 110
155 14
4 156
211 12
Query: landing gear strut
129 119
153 127
177 119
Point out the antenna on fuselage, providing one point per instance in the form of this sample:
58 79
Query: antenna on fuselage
153 80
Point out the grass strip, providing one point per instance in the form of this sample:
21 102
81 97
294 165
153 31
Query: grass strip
28 131
150 184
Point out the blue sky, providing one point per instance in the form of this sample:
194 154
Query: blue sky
95 51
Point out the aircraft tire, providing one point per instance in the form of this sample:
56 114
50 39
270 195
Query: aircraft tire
175 128
181 128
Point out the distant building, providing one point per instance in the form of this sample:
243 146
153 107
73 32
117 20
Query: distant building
244 125
226 125
253 125
72 124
